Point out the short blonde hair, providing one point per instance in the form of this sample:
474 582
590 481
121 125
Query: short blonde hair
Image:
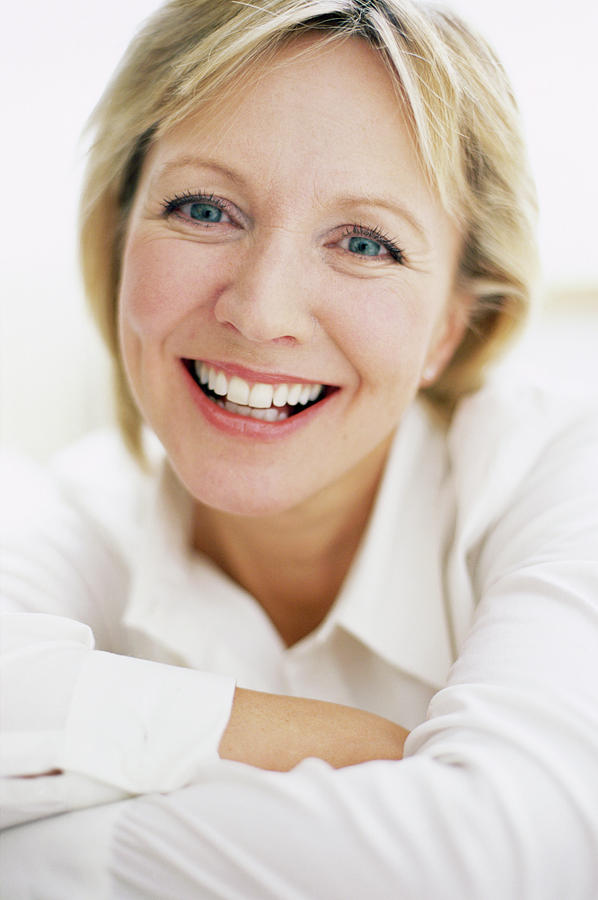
462 113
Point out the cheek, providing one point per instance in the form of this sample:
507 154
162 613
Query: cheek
386 333
161 285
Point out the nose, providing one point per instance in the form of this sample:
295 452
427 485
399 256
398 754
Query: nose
267 297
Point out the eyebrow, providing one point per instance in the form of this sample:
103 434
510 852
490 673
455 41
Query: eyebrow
192 162
344 200
393 206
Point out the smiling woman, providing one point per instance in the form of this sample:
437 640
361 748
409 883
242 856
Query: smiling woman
307 225
279 274
476 179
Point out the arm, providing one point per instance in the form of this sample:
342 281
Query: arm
113 725
497 795
277 732
82 726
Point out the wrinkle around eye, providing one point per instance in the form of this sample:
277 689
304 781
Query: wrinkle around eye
202 232
349 265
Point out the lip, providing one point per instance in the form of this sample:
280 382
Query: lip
245 426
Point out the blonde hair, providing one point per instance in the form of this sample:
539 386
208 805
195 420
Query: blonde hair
462 112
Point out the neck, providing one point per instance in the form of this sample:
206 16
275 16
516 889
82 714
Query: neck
293 563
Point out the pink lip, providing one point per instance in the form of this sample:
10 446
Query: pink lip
253 376
245 426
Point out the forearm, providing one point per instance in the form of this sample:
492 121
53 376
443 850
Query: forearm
276 732
113 725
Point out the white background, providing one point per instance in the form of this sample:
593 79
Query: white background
56 59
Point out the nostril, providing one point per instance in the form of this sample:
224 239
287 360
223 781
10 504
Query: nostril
265 313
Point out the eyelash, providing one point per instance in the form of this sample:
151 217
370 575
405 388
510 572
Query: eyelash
376 234
172 206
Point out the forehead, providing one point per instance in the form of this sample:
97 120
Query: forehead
321 117
320 90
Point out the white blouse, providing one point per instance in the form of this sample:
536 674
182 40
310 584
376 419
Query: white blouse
469 616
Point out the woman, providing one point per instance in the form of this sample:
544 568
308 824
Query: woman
306 228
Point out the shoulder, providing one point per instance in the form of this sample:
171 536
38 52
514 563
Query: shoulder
85 502
513 427
525 480
95 479
98 476
68 527
521 409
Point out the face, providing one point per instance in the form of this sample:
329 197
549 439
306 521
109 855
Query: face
287 283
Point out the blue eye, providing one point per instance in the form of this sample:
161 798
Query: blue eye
364 246
203 209
205 212
367 243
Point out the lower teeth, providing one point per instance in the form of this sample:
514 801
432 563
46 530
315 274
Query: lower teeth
272 414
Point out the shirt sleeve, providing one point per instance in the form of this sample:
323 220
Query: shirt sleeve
498 794
111 725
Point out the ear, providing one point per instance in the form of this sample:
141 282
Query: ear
447 337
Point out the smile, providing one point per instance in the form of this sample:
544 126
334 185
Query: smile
257 400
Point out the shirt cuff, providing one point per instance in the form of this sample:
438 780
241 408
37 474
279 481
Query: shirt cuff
144 726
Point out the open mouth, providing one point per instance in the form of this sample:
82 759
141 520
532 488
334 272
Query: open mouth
258 400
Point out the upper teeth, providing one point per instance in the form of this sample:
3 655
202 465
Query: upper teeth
256 394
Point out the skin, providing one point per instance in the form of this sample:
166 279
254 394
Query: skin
277 286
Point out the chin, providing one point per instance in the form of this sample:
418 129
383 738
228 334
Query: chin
250 495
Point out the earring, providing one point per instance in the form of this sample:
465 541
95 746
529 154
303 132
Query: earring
429 374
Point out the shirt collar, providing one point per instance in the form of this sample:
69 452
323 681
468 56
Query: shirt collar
392 599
